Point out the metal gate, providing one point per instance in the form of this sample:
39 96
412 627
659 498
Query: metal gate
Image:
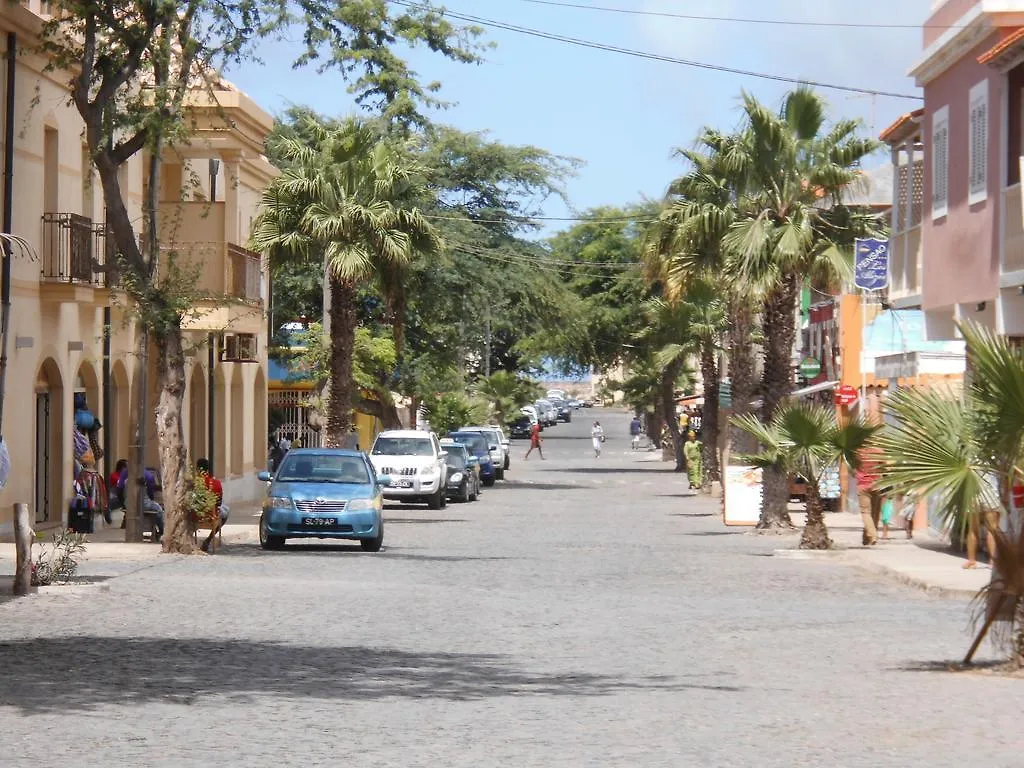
43 437
292 416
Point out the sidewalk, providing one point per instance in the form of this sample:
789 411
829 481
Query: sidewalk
923 562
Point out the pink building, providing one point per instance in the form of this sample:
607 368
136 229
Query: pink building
958 221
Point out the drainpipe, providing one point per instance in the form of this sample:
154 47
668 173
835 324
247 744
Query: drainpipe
211 358
8 216
107 440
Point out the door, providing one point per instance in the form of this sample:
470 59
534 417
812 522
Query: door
43 430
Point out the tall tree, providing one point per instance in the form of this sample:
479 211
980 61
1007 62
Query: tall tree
110 50
345 200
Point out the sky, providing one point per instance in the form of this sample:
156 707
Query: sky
622 115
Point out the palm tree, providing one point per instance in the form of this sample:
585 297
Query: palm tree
807 439
344 197
784 223
966 454
506 393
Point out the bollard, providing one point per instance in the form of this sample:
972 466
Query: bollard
22 550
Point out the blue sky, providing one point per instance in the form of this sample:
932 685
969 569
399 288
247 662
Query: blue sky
622 115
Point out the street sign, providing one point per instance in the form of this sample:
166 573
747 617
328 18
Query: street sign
810 368
871 263
846 395
725 394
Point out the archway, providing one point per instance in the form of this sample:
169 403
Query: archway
197 424
49 443
260 437
87 393
220 422
118 431
237 437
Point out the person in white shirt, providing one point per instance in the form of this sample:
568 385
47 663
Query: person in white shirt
597 437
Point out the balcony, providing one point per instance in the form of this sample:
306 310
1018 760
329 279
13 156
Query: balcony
246 273
72 247
220 270
905 251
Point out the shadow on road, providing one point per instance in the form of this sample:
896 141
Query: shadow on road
65 674
612 471
523 486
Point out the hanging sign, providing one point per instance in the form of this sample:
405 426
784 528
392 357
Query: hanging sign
846 395
871 263
810 368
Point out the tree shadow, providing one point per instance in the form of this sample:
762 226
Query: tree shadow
421 520
612 471
347 549
65 674
523 486
990 665
712 533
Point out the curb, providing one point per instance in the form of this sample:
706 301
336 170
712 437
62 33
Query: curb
877 569
808 554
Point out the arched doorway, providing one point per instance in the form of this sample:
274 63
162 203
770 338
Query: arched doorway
197 439
119 429
87 393
237 422
49 443
220 422
260 437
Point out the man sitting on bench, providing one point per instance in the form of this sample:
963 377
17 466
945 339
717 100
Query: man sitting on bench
220 513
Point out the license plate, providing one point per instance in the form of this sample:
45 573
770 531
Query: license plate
319 522
401 483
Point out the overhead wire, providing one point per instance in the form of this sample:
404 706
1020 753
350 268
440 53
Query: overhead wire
743 20
528 219
659 57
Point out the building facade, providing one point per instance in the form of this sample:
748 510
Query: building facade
958 230
72 338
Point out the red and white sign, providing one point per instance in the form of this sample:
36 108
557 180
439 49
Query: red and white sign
846 395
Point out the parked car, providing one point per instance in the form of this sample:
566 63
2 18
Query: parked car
534 415
563 410
587 403
546 412
324 493
463 482
414 464
575 404
477 445
497 445
519 427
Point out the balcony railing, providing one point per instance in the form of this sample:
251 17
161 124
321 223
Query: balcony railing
70 249
246 273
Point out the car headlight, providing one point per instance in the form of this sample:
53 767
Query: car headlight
278 502
455 478
428 472
357 505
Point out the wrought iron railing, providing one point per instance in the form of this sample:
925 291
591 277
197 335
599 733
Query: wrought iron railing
246 273
69 249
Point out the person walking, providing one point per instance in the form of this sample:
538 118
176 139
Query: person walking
693 451
635 429
597 437
869 498
535 441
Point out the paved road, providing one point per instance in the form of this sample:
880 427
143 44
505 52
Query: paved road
587 613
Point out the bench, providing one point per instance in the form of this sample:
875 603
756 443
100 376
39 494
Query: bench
213 523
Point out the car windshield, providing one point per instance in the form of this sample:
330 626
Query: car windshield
323 468
456 459
403 446
475 442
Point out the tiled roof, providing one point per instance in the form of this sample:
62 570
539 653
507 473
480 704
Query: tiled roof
1012 37
894 131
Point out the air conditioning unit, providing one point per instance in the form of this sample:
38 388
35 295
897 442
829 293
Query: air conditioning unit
239 348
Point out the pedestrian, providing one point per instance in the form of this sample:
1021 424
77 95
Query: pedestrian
597 437
116 483
635 428
886 515
535 441
870 498
217 511
693 451
90 492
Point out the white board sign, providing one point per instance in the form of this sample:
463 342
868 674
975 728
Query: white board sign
742 502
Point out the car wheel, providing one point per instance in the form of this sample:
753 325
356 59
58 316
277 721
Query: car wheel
374 544
488 482
464 494
499 474
508 462
267 541
434 501
476 492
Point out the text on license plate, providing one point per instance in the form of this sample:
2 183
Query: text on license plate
401 483
319 522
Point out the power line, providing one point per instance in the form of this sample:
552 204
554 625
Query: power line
529 219
744 20
658 57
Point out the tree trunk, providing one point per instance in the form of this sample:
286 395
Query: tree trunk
175 477
709 423
776 384
815 535
385 411
668 405
343 341
741 370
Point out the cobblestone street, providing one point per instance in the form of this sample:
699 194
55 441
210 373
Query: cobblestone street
588 612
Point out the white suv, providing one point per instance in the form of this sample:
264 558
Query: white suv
414 464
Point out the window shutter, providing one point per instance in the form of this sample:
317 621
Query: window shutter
940 163
978 146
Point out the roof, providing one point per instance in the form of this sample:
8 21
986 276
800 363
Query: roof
404 433
900 129
1011 42
328 451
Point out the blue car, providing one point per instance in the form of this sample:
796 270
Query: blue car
323 493
476 444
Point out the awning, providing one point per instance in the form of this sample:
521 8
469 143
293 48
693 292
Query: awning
690 400
1002 53
820 387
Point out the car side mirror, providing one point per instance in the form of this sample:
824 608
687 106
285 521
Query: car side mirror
383 480
265 476
493 447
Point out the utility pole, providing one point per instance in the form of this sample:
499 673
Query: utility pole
487 343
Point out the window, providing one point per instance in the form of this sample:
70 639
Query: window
977 150
940 163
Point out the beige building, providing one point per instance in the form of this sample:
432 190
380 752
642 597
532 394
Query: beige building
61 303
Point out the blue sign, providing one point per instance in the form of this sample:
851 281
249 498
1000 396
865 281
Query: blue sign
871 264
